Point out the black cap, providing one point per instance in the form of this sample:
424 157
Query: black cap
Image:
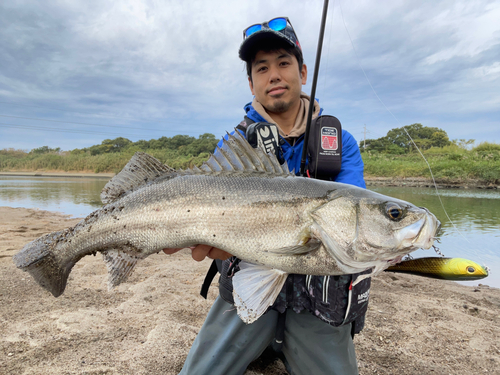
250 45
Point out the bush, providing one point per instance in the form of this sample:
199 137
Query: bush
451 162
487 146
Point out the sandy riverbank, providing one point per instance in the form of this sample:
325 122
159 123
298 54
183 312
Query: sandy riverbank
426 182
146 326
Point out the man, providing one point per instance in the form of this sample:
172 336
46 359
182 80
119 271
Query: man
315 342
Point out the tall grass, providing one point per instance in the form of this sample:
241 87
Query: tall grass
452 162
482 163
84 162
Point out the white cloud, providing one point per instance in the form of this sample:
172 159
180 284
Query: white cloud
174 65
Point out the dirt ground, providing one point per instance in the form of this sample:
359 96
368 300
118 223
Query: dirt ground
426 182
147 325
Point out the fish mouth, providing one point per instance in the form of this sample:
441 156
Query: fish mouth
430 228
422 233
411 235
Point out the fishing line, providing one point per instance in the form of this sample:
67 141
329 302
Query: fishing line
404 127
327 64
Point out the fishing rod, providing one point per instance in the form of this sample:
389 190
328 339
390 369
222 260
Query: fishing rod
313 89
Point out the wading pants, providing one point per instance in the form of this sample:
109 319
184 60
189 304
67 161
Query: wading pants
226 346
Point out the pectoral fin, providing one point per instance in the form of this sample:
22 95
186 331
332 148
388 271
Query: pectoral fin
298 249
255 288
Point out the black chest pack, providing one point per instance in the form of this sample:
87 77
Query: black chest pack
324 147
324 160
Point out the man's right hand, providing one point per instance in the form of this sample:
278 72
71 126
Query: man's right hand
200 252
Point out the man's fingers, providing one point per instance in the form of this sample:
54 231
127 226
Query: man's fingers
200 252
215 253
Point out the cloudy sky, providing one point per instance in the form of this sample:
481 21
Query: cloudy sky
73 73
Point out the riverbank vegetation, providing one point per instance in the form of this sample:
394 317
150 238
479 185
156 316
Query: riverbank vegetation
449 163
395 155
391 156
180 151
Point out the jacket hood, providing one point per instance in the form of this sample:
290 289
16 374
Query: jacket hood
256 112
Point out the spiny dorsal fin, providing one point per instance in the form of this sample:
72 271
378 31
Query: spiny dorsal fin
236 156
139 171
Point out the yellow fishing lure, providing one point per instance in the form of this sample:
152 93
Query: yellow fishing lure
457 269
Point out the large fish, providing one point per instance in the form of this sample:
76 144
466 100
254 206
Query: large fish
242 201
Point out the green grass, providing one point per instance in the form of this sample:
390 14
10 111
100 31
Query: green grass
482 163
84 162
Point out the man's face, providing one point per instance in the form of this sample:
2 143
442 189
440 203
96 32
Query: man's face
276 80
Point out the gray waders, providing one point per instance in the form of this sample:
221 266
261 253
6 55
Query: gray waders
226 346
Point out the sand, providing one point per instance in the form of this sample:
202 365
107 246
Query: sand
147 325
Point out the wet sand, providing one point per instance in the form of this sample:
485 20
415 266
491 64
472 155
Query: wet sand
147 325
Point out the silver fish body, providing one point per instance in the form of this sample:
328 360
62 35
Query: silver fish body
243 202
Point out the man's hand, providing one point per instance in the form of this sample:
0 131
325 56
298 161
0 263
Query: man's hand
200 252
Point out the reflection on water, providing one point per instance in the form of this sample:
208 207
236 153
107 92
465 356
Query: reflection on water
73 196
479 208
474 233
474 229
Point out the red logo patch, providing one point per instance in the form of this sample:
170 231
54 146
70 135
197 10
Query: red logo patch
329 139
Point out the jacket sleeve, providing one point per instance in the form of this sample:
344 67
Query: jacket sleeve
351 170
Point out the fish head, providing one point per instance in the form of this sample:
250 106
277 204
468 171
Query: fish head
361 228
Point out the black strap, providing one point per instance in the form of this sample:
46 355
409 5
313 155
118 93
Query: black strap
212 271
353 329
244 124
280 332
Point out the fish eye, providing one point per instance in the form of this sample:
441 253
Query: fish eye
394 211
471 269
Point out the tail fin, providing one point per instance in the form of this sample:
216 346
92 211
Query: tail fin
39 259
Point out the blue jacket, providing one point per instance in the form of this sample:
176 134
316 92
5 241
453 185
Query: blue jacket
351 171
326 297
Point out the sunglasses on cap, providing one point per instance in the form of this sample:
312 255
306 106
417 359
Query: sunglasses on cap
277 24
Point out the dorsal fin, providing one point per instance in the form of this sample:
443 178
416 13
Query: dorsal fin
236 156
139 171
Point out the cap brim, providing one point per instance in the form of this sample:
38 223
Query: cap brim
250 43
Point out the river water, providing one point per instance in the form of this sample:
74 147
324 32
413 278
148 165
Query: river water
473 231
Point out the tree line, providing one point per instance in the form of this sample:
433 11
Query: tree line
180 151
397 141
392 155
183 144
